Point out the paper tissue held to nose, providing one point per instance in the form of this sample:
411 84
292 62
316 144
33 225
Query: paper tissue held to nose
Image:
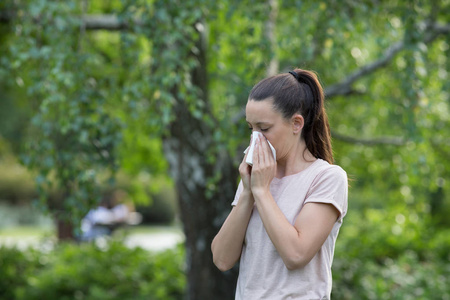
250 149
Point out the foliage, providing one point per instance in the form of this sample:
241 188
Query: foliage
66 146
406 277
16 185
390 125
153 197
377 234
163 208
385 255
141 67
113 271
16 267
89 271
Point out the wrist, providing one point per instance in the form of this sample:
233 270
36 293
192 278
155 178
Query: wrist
260 193
247 195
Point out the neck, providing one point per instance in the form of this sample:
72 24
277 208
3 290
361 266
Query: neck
297 159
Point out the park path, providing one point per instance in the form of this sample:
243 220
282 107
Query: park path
154 241
158 241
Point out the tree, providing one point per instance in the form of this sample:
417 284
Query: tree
67 146
196 63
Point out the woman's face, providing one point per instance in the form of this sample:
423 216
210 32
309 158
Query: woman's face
261 116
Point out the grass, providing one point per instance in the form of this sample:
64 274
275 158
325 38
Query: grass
153 229
25 231
154 238
39 231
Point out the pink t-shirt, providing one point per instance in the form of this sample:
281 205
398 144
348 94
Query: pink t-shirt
262 273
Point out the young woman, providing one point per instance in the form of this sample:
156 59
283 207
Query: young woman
287 211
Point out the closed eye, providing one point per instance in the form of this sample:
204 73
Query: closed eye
262 130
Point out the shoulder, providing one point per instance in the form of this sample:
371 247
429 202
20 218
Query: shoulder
330 185
327 172
328 178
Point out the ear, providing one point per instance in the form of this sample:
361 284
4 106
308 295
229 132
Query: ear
297 122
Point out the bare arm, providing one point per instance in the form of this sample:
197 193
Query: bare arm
227 245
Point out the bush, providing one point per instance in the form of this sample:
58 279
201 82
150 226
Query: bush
16 185
90 272
15 267
376 234
163 208
391 254
404 278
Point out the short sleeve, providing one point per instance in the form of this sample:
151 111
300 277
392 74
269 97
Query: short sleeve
330 186
238 193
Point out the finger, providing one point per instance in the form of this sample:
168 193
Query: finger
248 148
261 156
269 153
244 168
255 153
267 150
245 155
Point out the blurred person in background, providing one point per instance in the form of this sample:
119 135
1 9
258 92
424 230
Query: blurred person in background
111 214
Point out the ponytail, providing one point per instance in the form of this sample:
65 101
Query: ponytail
300 92
316 130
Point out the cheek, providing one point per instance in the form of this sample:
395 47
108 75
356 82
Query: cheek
278 141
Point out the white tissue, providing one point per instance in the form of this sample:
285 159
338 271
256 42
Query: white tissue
250 149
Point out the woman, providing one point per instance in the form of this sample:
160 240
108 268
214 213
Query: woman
287 212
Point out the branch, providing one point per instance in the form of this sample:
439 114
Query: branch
105 22
345 86
387 140
435 30
395 141
89 22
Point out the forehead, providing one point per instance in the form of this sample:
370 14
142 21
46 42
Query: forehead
261 111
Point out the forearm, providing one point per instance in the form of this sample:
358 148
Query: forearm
227 245
285 237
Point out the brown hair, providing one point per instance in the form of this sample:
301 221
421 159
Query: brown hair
301 94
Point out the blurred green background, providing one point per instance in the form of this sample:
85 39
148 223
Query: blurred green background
90 96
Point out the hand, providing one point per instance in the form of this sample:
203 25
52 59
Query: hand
264 168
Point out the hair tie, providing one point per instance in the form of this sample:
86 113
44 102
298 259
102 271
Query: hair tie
299 78
295 74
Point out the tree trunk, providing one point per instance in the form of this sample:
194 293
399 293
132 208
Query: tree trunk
203 207
64 230
202 216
